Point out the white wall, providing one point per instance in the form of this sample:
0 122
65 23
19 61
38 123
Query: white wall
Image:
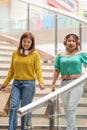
83 4
18 9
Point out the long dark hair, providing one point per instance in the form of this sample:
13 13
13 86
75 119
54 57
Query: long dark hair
27 35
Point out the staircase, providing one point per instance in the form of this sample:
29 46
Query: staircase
39 122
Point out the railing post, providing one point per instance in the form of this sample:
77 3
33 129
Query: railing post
56 34
28 17
51 116
57 109
80 34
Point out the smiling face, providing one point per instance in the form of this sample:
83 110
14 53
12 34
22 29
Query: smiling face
71 43
26 43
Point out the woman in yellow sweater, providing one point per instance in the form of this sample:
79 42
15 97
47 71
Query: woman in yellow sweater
25 67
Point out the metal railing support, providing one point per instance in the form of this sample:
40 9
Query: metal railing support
51 116
80 34
28 17
56 33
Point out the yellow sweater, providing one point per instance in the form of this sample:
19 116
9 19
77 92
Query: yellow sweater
24 68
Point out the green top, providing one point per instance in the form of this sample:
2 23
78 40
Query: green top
24 68
68 65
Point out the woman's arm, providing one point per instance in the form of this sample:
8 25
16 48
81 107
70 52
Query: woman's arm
55 77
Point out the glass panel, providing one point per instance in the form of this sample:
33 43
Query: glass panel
49 28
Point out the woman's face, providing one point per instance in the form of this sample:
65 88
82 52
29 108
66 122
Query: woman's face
71 44
26 43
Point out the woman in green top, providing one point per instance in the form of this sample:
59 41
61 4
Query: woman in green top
24 68
69 64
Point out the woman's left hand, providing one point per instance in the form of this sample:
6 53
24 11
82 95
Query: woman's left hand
41 86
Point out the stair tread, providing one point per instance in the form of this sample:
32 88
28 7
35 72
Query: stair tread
44 121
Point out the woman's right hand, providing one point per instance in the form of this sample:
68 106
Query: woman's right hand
53 88
2 87
41 86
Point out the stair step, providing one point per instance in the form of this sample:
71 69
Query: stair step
5 58
6 47
6 43
5 52
37 119
45 127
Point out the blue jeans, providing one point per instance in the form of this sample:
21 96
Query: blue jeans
22 94
70 101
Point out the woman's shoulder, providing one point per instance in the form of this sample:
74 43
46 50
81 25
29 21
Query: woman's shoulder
35 52
14 52
60 53
83 52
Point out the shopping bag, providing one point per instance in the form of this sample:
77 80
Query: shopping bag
58 107
5 102
47 111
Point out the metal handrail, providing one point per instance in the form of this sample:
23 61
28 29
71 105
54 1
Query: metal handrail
30 107
55 10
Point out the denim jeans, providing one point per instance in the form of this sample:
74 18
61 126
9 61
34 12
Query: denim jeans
70 101
22 94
